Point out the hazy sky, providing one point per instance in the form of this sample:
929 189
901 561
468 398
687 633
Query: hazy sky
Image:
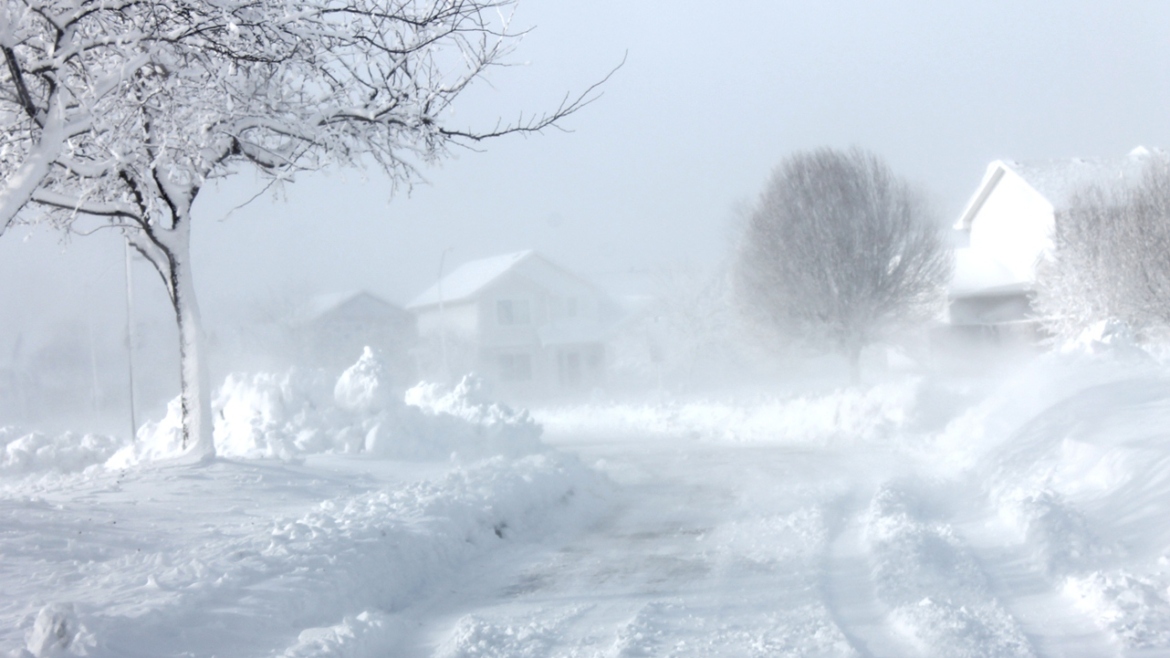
711 97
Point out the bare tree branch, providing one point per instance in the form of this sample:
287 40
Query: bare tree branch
838 253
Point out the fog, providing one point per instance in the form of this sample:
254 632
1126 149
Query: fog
651 176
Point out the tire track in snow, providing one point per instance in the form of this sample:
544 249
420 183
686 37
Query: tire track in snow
850 592
1019 578
708 552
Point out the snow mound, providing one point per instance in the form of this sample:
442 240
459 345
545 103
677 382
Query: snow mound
938 595
362 387
34 452
326 580
852 414
283 416
298 413
57 632
1134 609
364 634
1107 337
1061 538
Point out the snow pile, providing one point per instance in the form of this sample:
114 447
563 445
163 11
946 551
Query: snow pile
1131 607
57 632
1112 337
852 414
316 581
282 416
938 595
363 386
298 413
35 452
1072 455
1061 539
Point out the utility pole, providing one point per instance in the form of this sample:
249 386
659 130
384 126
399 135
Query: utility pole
130 338
443 321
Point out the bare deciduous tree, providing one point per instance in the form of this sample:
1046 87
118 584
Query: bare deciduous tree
1111 257
838 252
117 113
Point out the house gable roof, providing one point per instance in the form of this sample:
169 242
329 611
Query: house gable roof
321 306
1058 180
465 281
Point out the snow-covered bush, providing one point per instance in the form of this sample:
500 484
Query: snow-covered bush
1111 256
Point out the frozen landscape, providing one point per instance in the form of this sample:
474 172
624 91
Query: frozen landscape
1021 514
403 328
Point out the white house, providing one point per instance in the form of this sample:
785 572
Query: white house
1007 228
527 326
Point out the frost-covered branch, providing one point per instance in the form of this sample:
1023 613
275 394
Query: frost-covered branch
122 111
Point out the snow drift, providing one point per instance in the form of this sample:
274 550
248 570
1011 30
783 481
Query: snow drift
298 413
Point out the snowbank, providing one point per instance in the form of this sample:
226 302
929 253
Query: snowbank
34 452
851 414
298 413
315 581
935 589
1072 455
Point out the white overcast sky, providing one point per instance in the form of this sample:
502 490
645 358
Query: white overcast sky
711 97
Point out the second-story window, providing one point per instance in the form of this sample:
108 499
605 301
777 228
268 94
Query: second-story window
512 311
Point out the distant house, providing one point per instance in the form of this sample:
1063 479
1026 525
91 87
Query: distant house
333 329
1007 228
526 325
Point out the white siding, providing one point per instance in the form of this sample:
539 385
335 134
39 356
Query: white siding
1014 226
461 320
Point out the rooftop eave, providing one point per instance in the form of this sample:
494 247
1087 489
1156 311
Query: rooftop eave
995 172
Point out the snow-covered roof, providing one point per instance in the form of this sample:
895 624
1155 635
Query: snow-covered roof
323 304
1058 180
468 279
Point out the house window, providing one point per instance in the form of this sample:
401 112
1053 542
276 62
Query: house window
515 367
569 369
512 311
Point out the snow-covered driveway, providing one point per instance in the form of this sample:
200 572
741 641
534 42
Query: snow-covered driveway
706 551
1025 520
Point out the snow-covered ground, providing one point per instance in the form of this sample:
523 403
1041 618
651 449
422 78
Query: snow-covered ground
925 516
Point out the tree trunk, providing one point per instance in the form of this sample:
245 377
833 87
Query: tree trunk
170 252
194 382
854 353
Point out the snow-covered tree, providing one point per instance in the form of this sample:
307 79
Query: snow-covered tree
118 112
1112 257
838 252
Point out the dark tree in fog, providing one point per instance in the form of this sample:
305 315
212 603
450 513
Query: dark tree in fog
1111 256
117 113
838 252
